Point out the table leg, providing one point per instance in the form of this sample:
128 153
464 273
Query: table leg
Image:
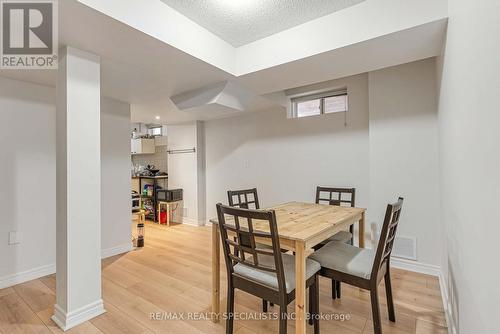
155 185
362 231
215 273
168 214
300 288
159 212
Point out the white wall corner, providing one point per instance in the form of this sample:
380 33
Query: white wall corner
67 321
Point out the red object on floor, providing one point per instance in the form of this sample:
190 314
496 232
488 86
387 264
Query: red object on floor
163 217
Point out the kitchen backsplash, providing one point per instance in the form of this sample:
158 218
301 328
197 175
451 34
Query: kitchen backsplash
159 159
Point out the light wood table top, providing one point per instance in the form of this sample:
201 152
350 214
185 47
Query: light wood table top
299 221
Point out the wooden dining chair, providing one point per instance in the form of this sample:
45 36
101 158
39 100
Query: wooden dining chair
246 199
265 273
365 268
338 197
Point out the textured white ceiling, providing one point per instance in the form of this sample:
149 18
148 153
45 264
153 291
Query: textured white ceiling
240 22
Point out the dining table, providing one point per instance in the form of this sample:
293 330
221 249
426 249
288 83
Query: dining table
301 226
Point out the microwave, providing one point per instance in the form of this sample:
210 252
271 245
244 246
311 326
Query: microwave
169 195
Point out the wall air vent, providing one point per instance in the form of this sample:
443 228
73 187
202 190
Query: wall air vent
405 247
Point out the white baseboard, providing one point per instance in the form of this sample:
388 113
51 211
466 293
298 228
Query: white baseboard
66 320
120 249
448 310
415 266
193 222
28 275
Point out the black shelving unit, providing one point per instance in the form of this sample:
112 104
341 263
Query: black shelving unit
155 179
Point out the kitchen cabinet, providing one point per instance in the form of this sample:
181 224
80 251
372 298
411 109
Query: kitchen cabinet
142 146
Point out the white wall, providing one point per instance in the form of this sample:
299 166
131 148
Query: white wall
287 158
28 177
115 174
404 152
186 170
469 121
389 148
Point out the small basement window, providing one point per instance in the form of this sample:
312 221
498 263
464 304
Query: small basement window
318 104
156 131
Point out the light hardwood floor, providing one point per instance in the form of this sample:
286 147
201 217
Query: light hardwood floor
172 274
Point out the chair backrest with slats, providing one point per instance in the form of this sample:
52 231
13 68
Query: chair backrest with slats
239 222
387 236
336 196
245 199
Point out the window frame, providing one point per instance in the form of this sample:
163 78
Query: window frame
153 128
318 96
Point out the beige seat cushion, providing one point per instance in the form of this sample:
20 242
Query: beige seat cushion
268 278
345 258
342 236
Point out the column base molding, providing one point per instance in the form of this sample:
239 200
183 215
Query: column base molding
69 320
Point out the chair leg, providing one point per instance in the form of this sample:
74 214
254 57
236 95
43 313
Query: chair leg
388 292
315 296
230 309
311 307
264 305
334 289
351 230
337 288
377 324
313 292
283 316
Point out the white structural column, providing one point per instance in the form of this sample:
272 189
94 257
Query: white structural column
78 189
